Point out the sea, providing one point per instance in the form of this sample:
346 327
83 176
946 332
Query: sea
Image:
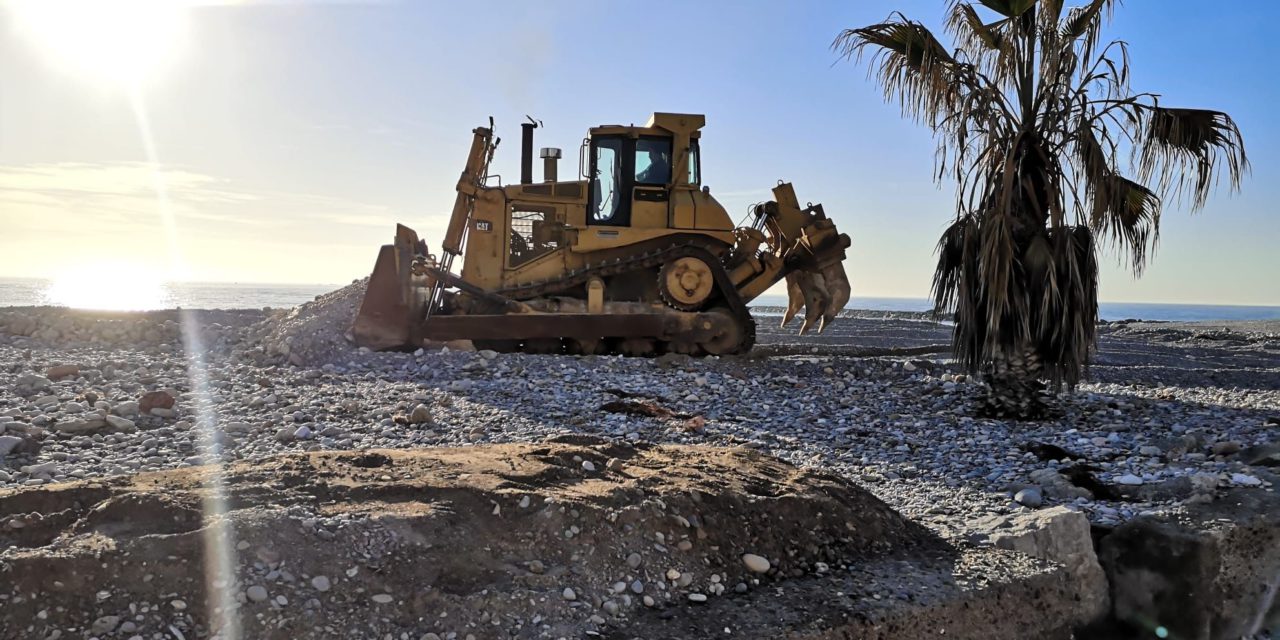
22 292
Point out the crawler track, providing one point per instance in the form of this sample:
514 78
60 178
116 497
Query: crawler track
726 298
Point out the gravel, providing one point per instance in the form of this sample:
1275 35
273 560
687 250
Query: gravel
1170 412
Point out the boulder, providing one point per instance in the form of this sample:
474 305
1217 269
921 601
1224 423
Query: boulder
8 444
421 414
126 409
1208 574
1059 535
155 400
62 371
33 381
80 426
121 424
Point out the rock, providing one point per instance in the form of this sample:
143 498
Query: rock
755 563
302 433
1226 448
45 467
908 366
568 594
588 465
421 414
161 412
634 560
1029 498
126 409
33 381
1206 574
1245 480
284 434
61 371
697 597
8 444
121 424
1129 480
155 400
1054 485
1150 450
256 593
1057 534
1263 455
320 583
105 625
79 426
383 598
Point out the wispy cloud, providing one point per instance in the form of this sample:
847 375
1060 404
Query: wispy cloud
61 211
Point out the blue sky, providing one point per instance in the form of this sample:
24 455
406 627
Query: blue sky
292 135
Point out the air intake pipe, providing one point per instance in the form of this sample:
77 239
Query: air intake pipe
550 156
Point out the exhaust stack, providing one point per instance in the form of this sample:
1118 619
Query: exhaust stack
526 150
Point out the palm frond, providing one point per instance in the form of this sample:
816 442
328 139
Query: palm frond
1084 24
969 28
1128 214
914 69
1009 8
1184 150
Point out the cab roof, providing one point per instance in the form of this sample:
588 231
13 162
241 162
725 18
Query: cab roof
659 124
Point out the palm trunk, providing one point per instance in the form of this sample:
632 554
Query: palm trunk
1014 387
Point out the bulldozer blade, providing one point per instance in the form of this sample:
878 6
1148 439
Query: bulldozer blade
837 284
389 313
808 290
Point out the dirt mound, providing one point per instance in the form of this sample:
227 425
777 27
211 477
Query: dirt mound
515 541
317 332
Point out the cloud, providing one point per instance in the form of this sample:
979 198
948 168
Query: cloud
54 214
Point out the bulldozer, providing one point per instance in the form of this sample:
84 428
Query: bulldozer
634 256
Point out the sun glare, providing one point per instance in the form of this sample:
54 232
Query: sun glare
122 41
110 287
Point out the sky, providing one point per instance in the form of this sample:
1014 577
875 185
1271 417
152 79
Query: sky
280 141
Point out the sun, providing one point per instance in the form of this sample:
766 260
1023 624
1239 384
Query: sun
115 41
109 287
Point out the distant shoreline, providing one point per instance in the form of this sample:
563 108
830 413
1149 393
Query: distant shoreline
27 292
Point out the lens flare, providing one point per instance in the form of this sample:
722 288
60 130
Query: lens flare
120 41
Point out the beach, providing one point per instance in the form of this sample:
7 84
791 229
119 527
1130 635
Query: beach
1174 415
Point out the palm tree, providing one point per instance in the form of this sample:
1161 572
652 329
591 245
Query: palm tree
1032 113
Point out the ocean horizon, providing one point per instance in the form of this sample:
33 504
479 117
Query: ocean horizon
25 292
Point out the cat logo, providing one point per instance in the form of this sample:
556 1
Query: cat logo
484 225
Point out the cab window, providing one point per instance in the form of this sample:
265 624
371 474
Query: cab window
695 162
653 160
606 178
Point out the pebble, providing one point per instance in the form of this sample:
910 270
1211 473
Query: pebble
569 594
1129 479
256 593
320 583
1029 498
421 414
755 563
383 598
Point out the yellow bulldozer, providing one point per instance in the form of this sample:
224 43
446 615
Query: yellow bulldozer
634 256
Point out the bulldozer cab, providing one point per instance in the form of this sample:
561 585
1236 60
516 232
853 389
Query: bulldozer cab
633 172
